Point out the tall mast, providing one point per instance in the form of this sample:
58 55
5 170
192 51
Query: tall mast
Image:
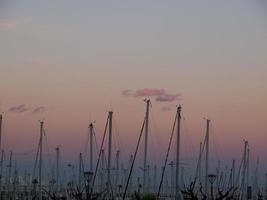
199 163
80 171
1 170
91 146
265 186
109 151
207 157
177 188
146 142
9 172
57 167
41 159
1 121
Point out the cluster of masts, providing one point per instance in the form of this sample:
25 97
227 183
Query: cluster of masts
102 181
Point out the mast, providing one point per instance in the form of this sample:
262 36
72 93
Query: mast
109 151
80 171
1 121
199 163
177 188
146 143
9 172
41 159
1 170
91 146
207 157
57 167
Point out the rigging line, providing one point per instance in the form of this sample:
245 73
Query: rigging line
97 164
132 164
167 155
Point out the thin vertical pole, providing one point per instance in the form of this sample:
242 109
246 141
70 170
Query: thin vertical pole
41 159
200 163
1 171
207 157
57 167
9 172
91 146
1 121
80 171
109 151
146 143
265 187
177 187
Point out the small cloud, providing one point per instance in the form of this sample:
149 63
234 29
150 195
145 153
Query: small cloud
149 92
19 109
167 97
39 109
160 94
126 92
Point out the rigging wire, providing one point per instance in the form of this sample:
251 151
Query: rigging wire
167 155
135 153
97 164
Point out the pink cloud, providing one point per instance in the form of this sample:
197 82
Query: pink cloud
160 94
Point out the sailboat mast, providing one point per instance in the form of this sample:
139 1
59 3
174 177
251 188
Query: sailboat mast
177 188
41 159
1 121
146 143
207 157
109 151
91 146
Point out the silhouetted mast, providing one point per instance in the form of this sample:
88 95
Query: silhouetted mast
1 170
109 151
207 157
146 143
177 188
91 146
1 121
57 167
41 159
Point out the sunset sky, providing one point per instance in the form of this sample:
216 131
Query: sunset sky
70 62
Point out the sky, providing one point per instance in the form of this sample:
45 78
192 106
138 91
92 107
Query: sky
70 62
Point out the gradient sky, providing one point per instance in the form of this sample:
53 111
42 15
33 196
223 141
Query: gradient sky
74 59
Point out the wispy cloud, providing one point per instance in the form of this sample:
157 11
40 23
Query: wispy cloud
39 109
19 109
160 94
24 108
